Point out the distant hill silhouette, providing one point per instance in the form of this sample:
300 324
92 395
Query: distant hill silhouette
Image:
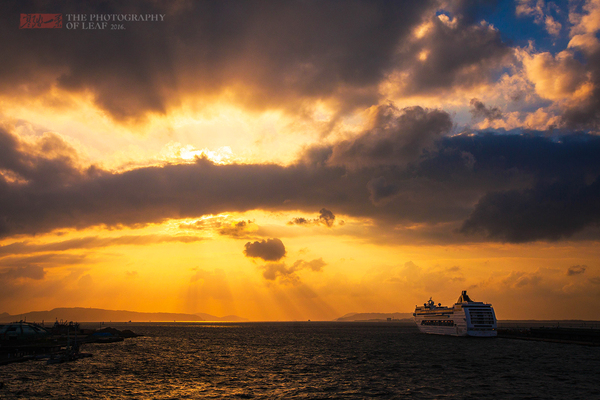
374 316
227 318
80 314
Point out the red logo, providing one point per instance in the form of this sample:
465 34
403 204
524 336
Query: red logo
33 21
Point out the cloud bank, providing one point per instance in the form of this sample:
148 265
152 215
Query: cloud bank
267 54
515 188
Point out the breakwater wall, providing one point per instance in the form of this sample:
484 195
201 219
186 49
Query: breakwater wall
583 336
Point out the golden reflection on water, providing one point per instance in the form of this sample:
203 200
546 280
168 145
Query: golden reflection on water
308 360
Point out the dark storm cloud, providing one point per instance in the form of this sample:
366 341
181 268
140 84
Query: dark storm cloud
381 191
299 221
479 110
54 193
473 11
397 137
268 250
562 199
545 212
236 230
576 270
586 114
456 52
514 187
50 159
275 52
326 217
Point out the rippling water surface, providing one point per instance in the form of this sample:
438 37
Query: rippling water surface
310 360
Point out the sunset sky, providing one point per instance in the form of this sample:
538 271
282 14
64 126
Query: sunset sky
294 160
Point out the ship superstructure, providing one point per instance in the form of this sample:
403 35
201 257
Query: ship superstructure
465 318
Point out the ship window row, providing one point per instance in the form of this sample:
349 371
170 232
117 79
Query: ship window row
433 314
438 322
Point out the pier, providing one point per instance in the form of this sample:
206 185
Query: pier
572 335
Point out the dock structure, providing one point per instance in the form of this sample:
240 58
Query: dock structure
23 341
582 336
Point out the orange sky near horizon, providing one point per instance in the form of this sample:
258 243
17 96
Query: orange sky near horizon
167 268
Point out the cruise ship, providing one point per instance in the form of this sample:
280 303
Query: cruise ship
465 318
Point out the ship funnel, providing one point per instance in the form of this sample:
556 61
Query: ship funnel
464 298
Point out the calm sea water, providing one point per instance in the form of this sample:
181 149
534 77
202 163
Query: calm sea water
310 360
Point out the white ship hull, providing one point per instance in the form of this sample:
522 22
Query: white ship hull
465 318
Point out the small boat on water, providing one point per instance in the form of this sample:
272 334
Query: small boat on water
465 318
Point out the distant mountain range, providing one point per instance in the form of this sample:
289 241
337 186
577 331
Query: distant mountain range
80 314
374 316
227 318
